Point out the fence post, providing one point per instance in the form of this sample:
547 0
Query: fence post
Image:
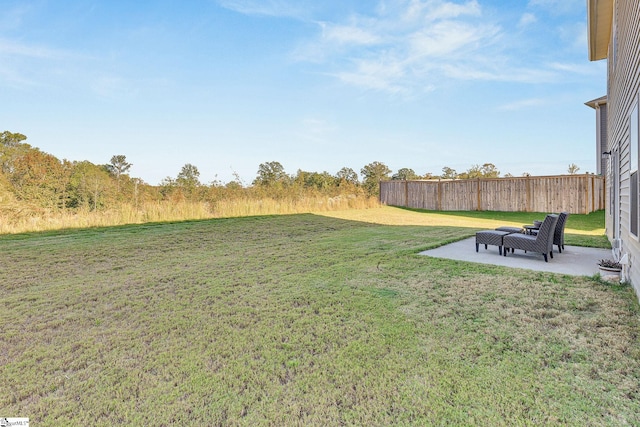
479 196
593 194
406 194
528 194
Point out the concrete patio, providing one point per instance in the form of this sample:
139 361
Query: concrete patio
574 260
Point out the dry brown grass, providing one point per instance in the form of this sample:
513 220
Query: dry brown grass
19 217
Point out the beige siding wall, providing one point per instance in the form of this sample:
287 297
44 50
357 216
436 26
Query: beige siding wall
623 89
578 194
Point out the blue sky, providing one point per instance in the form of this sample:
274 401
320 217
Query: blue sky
316 85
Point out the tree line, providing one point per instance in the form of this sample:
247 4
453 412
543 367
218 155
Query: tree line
32 176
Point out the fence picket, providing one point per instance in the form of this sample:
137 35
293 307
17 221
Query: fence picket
577 194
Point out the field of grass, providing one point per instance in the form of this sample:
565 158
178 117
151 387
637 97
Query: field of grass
307 320
17 217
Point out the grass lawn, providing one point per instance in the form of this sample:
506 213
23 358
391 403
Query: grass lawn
308 320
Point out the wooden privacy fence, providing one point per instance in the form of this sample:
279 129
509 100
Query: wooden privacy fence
577 194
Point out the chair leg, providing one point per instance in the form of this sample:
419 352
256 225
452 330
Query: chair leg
551 253
545 257
485 246
500 250
477 246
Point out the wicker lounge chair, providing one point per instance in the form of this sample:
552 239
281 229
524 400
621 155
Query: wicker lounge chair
542 242
558 236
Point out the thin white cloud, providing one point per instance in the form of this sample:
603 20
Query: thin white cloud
407 45
12 77
527 19
449 38
556 7
12 48
375 74
522 104
283 8
584 69
23 65
344 34
436 10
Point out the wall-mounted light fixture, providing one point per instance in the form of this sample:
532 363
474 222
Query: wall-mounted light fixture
606 154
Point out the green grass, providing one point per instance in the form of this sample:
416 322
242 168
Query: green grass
303 320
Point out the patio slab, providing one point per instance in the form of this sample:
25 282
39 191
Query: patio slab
574 260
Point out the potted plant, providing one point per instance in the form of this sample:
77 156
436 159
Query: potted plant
610 266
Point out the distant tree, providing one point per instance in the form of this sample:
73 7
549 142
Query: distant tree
236 183
11 147
448 173
319 181
41 178
347 176
188 180
489 170
270 173
405 174
167 187
471 173
428 175
372 174
233 185
91 186
9 139
508 175
118 166
526 174
573 169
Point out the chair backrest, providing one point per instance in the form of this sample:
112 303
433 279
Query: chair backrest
546 231
558 236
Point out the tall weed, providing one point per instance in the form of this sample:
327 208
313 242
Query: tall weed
18 218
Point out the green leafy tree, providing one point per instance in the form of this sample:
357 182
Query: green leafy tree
118 166
270 174
11 147
405 174
188 180
372 174
448 173
347 176
91 186
315 180
489 170
168 187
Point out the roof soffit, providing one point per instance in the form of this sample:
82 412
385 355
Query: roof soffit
599 21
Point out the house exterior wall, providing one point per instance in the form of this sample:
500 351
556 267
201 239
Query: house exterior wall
623 89
601 128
